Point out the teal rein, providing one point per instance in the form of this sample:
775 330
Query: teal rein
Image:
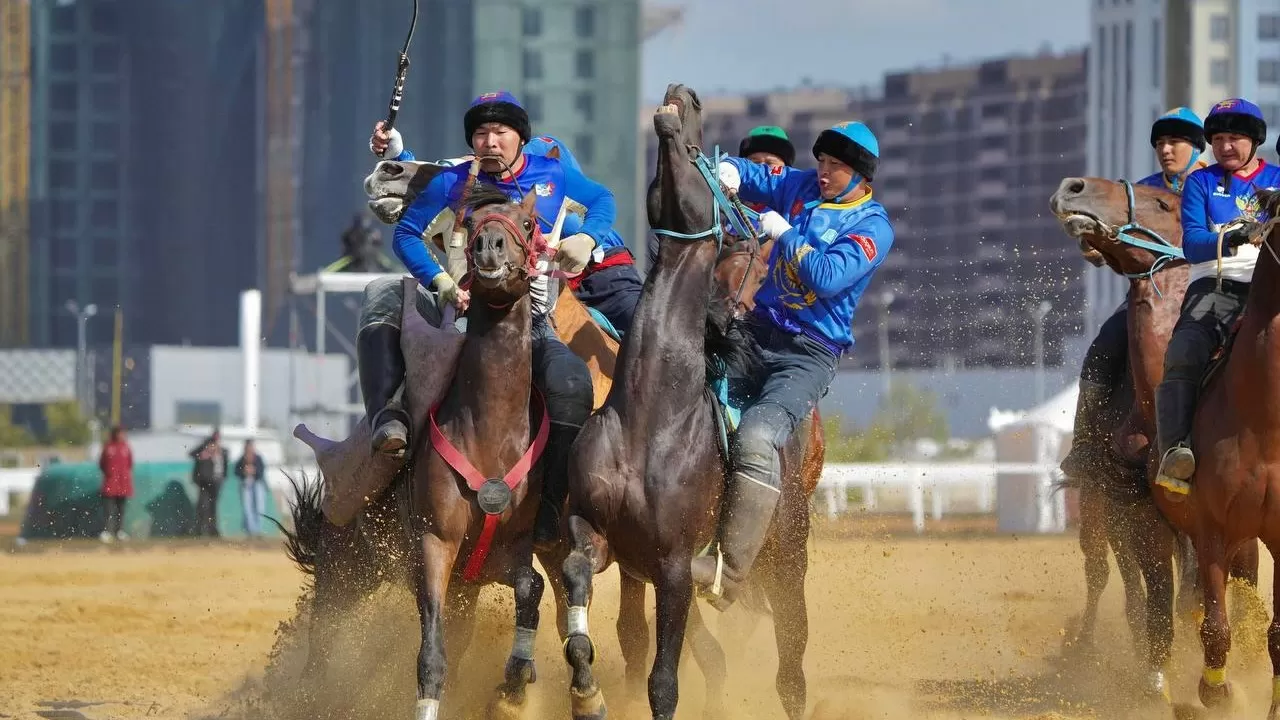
1165 251
740 217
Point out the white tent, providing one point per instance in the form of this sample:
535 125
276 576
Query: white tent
1041 435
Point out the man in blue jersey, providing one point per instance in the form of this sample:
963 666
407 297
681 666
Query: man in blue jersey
1178 140
802 319
1217 198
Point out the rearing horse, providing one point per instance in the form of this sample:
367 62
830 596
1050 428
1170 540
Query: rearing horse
646 477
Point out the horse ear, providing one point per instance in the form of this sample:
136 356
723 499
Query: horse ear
529 203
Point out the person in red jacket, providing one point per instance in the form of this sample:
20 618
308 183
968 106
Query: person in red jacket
116 463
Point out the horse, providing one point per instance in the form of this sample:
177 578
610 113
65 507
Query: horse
646 476
1136 231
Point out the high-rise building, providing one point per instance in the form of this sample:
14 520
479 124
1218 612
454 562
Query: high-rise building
15 119
969 158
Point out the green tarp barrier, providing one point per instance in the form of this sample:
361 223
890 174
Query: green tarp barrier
66 502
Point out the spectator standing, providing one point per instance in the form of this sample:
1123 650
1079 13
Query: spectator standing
116 463
208 475
253 488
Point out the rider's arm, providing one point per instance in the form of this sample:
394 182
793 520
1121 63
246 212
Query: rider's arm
1199 239
602 211
544 144
760 183
836 268
408 244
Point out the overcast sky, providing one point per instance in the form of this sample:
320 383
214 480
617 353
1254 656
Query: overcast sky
737 45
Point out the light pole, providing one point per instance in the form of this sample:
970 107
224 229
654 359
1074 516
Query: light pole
884 299
1038 314
82 352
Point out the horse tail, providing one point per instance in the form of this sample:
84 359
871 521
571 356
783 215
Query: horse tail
302 543
729 347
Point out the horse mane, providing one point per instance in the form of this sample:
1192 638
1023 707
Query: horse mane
483 194
1270 201
729 347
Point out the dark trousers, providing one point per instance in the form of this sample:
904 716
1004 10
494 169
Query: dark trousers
1104 363
207 508
1207 317
114 510
561 377
614 292
797 373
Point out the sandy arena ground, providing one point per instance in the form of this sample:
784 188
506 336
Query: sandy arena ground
960 627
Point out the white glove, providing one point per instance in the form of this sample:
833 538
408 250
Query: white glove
773 224
575 252
395 145
729 176
449 290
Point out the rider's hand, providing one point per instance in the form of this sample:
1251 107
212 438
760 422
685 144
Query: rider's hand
773 225
386 145
729 175
575 252
1240 235
450 292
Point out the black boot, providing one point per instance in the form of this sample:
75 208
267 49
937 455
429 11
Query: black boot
1175 413
745 515
381 366
1088 441
555 485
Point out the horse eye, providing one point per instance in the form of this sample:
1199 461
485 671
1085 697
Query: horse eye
1164 204
528 225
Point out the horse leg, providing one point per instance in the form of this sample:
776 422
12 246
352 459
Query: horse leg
337 586
1273 636
586 700
1215 632
460 624
784 585
633 632
674 589
550 560
1244 566
1120 529
520 671
1094 547
710 658
1189 599
433 583
1154 545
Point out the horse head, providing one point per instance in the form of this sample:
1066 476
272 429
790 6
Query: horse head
1101 214
504 244
393 185
688 128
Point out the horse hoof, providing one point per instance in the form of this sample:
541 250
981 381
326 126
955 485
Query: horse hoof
588 705
1214 696
505 707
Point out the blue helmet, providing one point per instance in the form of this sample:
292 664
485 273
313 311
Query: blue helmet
853 144
1238 116
1179 123
500 107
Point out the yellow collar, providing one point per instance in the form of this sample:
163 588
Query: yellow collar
847 205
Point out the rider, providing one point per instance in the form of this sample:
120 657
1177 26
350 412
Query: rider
766 144
609 283
498 128
1178 139
1217 199
802 319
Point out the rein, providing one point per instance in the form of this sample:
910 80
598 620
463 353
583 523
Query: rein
1164 250
738 215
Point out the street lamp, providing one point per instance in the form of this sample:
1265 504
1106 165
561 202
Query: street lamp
883 300
82 362
1038 314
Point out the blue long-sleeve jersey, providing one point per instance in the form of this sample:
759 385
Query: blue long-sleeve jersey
822 265
550 180
1208 203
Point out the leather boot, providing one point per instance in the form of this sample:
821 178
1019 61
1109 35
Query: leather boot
381 366
746 514
555 485
1175 413
1088 441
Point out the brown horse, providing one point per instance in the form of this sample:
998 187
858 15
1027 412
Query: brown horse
1237 480
647 474
1133 230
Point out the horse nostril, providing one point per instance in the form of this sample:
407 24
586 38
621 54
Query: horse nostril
1073 186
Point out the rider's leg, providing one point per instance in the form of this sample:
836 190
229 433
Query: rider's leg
614 291
381 365
1207 315
799 373
565 384
1103 367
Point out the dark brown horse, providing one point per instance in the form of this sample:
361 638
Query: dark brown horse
1235 497
647 475
1128 228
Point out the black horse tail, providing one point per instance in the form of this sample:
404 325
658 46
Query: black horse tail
302 543
730 348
